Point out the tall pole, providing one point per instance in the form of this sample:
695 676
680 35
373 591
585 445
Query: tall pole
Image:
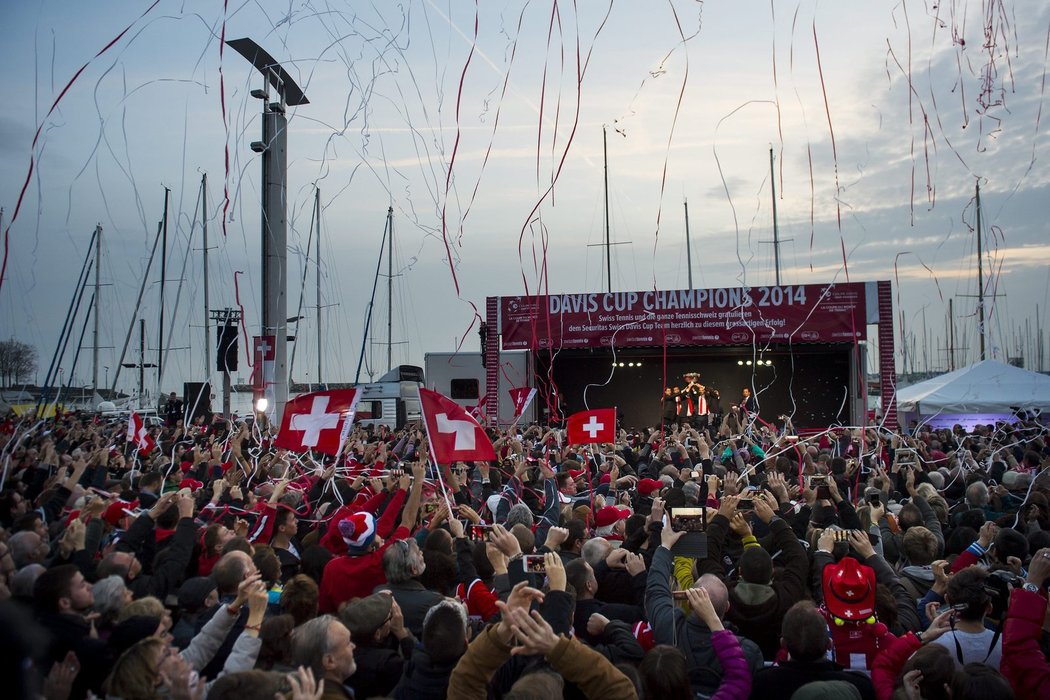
207 317
98 266
163 274
980 276
688 252
776 232
317 263
951 334
142 358
608 249
390 291
274 248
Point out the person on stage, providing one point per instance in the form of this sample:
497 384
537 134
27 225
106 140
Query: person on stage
748 404
668 408
692 396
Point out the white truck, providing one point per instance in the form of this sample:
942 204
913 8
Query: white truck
392 401
460 377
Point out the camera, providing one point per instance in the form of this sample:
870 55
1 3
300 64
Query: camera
478 532
819 482
997 586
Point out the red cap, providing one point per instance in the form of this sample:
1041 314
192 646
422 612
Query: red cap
185 466
191 484
115 512
849 589
647 486
577 473
610 514
606 478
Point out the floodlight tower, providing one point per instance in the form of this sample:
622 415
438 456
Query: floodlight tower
274 150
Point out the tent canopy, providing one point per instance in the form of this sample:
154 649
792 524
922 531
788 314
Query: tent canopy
989 386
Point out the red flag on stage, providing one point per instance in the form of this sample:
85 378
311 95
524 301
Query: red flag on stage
454 434
138 434
522 397
318 421
479 410
598 425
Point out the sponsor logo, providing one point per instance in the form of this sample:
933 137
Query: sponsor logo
738 337
673 338
810 335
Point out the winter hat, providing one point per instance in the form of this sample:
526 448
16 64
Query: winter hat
191 484
647 486
849 589
610 514
194 591
115 512
358 531
366 615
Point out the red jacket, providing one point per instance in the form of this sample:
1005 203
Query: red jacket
1023 662
889 662
333 541
479 599
354 576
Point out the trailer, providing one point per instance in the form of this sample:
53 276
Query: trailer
392 401
461 377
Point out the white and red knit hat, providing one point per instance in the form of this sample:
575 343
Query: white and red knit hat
358 531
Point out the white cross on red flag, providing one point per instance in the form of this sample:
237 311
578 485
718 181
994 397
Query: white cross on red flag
586 427
138 435
453 433
318 421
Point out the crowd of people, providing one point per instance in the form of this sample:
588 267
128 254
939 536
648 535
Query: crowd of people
676 563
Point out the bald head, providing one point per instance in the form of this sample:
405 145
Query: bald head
716 591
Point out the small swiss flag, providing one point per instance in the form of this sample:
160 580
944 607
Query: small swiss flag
586 427
454 434
138 434
318 421
522 397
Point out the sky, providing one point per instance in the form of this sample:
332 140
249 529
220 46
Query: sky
481 125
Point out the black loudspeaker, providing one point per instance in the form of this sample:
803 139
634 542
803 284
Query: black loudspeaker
196 398
226 356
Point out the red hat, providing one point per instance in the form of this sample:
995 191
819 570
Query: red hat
606 478
647 486
849 589
185 466
115 512
191 484
577 473
610 514
358 532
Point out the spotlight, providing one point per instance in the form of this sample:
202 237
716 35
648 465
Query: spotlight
630 364
769 363
638 364
261 404
621 364
749 363
740 362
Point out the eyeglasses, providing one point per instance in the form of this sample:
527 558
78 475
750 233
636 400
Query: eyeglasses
404 545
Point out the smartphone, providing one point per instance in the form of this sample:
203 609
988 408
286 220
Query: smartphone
745 504
819 482
689 519
479 532
679 595
873 499
791 438
533 564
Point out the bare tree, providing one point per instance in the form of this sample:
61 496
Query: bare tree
17 362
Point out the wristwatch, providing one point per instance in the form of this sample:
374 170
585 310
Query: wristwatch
1031 588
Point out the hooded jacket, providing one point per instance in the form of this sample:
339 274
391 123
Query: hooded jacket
686 632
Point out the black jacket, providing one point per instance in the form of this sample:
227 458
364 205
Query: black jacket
68 632
379 668
783 680
414 600
424 679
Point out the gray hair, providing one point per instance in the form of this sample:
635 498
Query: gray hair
402 561
519 514
23 545
453 603
691 489
977 494
24 579
595 550
310 643
109 595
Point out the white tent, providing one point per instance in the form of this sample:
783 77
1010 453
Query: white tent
988 387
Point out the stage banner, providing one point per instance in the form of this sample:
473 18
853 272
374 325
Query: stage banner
812 313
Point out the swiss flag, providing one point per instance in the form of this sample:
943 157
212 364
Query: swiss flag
598 425
454 434
138 434
522 397
479 410
318 421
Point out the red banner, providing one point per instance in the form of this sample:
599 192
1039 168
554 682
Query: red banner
812 313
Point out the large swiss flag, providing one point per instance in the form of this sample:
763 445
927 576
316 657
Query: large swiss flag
318 421
586 427
454 434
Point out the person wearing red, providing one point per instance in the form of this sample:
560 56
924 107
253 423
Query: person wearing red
849 607
1023 662
356 573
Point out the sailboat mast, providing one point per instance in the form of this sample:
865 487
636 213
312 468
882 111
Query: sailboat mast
980 276
688 251
776 230
95 300
608 249
390 291
163 274
207 315
317 264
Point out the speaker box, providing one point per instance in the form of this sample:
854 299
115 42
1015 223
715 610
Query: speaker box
196 398
226 351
